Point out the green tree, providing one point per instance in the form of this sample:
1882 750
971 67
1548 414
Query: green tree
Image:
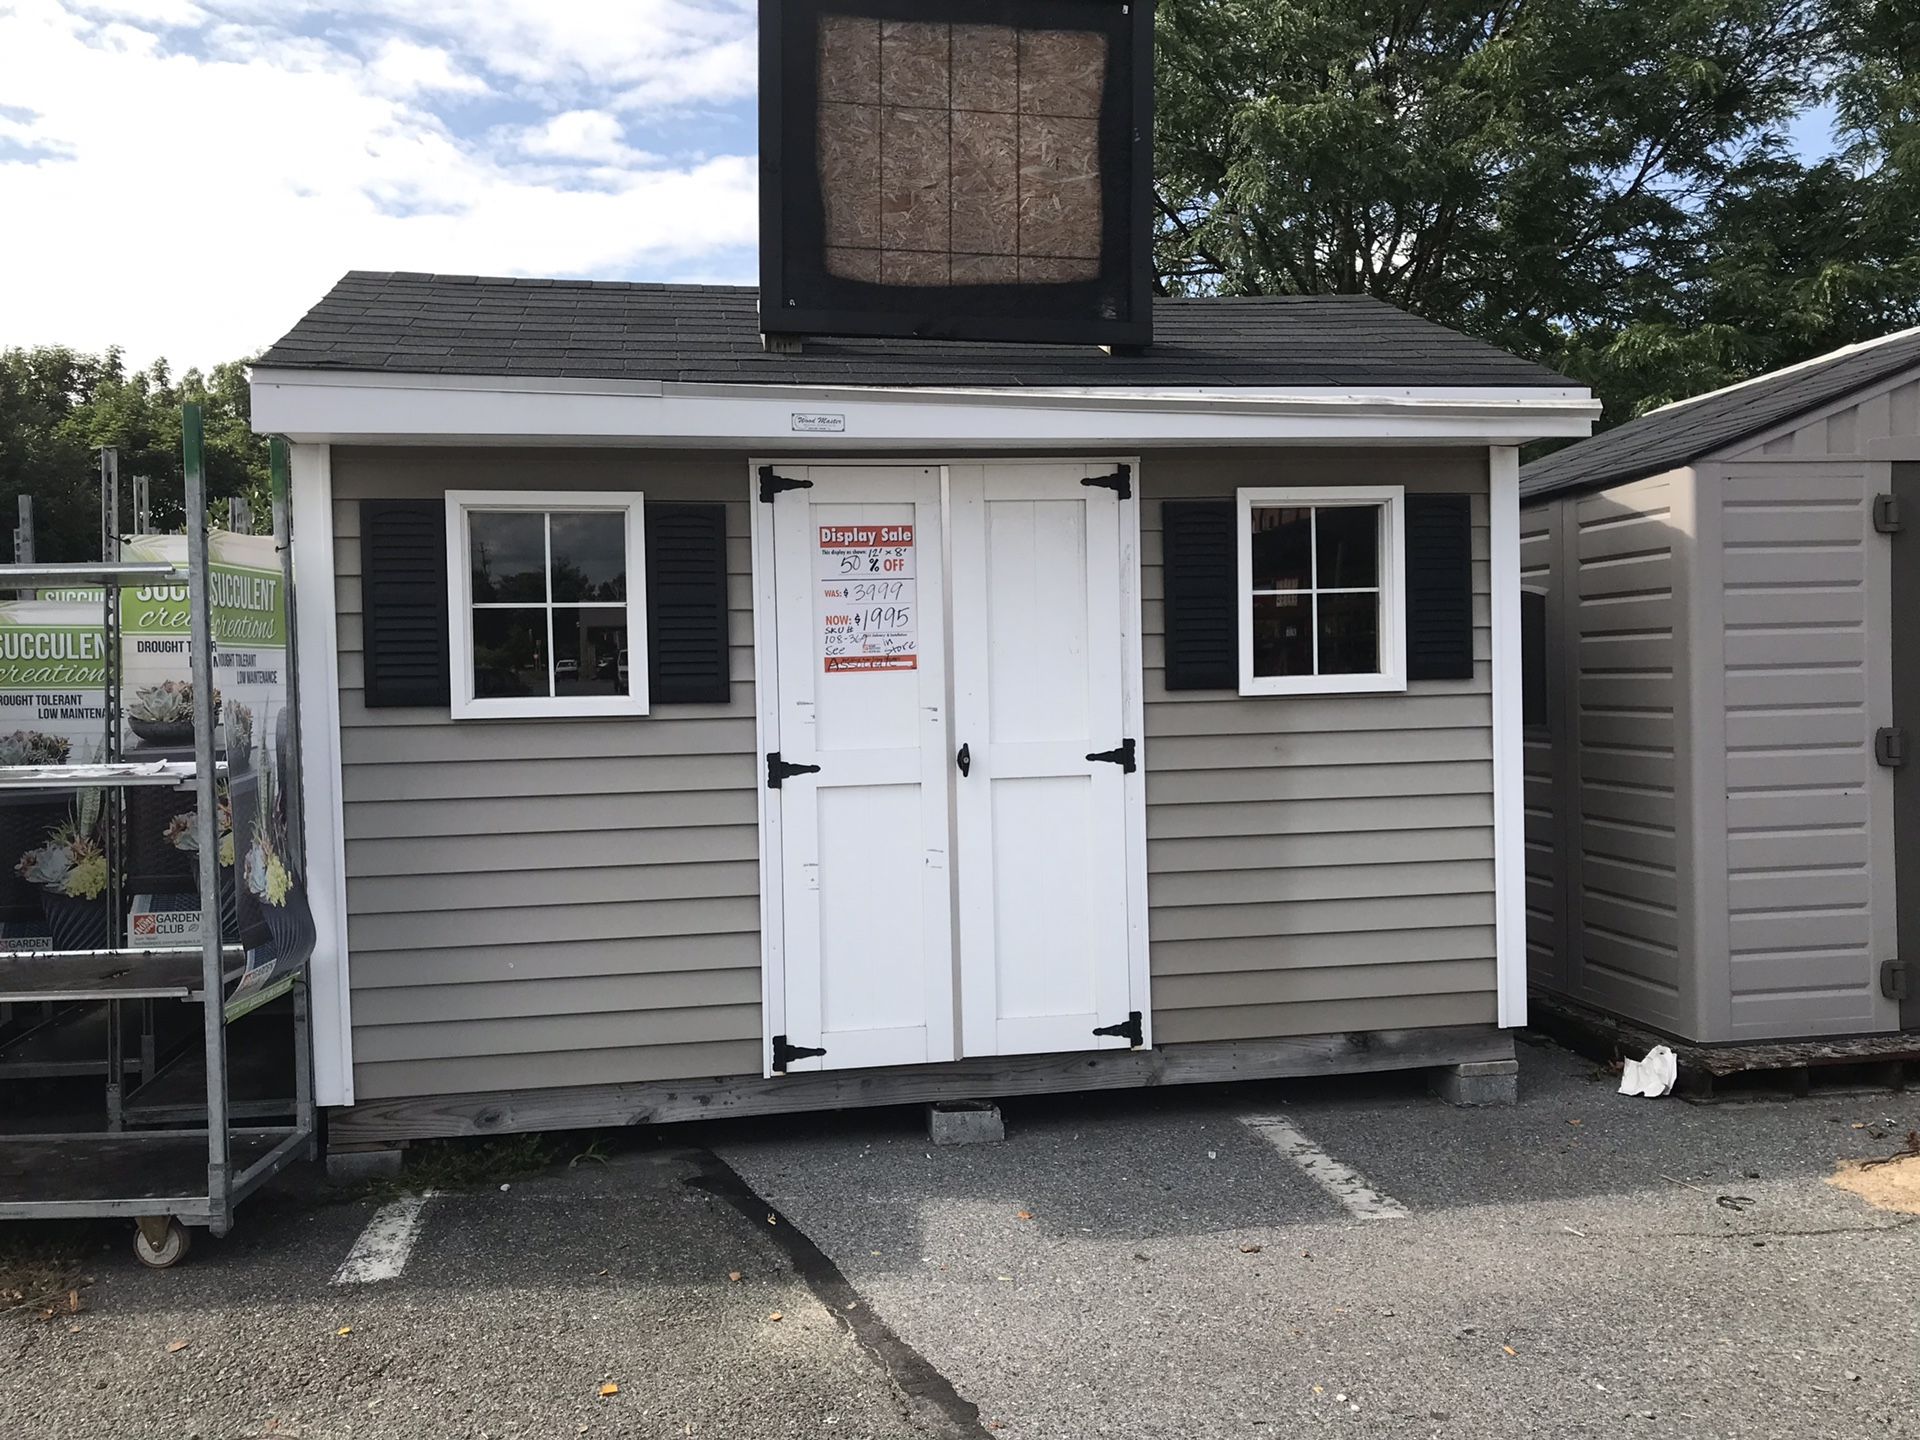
58 407
1606 187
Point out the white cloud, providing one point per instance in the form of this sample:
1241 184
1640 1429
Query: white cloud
146 12
581 135
194 205
721 72
400 67
657 52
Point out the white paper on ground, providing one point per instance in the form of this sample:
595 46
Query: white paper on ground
1653 1076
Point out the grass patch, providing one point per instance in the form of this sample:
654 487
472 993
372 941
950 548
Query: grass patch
477 1164
468 1164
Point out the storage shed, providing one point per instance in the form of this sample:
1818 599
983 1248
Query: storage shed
701 727
1723 825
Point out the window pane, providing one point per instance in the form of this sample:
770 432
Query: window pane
589 555
1282 548
509 555
1282 635
1349 540
1349 634
509 654
590 651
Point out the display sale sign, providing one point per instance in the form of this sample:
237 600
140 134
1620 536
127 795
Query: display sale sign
868 608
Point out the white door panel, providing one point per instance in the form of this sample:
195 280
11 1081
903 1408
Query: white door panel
866 909
1039 650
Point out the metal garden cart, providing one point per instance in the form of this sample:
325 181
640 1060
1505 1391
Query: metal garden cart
164 1179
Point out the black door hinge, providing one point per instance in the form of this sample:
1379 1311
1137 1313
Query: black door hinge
1893 979
1128 1030
1890 746
785 1054
1886 514
1122 756
778 770
772 484
1120 482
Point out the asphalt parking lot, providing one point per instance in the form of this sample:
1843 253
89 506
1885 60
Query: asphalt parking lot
1583 1264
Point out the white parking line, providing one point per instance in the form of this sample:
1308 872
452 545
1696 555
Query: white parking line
1347 1186
383 1247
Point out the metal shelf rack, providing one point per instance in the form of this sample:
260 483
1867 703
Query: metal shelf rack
163 1179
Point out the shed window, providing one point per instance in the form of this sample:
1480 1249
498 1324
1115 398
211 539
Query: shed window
548 613
1320 582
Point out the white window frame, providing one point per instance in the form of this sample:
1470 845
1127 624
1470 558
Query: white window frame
466 706
1392 675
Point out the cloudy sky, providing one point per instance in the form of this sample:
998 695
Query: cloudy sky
186 176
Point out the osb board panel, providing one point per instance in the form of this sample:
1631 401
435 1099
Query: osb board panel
959 154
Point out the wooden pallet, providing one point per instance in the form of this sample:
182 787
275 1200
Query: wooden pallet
1735 1071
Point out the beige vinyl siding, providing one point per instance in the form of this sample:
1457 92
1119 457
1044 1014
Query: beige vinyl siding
1317 863
1804 637
575 902
548 903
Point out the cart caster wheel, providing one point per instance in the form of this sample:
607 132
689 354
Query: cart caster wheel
172 1249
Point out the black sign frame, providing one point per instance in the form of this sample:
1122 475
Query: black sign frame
799 297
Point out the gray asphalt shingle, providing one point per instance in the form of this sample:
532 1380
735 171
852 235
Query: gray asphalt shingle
1680 434
468 325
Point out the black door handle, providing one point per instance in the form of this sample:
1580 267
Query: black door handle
964 760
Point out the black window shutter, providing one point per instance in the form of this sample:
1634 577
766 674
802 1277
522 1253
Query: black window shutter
687 660
1439 587
1200 580
403 602
1533 658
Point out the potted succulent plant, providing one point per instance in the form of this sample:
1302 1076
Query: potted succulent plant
34 747
70 871
239 736
243 781
162 717
183 834
269 874
27 815
163 714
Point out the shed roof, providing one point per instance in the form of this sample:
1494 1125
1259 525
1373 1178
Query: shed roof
1688 430
472 325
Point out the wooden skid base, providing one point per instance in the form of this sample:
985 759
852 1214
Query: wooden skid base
384 1122
1708 1072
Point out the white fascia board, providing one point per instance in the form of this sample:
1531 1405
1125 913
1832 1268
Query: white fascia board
370 408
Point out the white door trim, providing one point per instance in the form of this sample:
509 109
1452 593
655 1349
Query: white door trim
310 501
766 731
1133 684
1509 756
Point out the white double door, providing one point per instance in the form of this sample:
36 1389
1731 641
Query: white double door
963 873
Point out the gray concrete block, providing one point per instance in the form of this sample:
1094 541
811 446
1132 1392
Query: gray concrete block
964 1122
1480 1082
349 1167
